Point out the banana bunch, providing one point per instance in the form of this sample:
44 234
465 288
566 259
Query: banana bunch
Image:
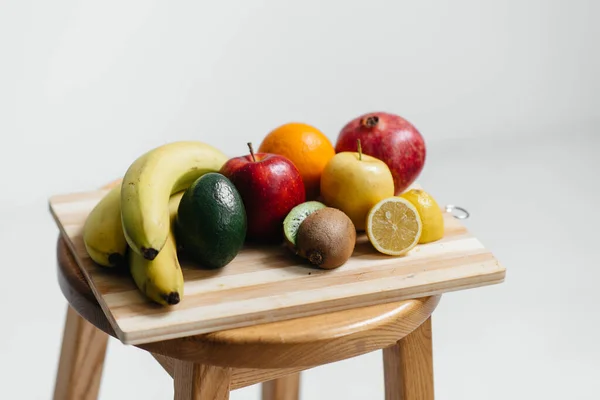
133 224
160 279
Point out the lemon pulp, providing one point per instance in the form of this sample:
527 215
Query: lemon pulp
394 226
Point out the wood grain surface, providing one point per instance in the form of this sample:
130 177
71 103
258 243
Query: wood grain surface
302 342
284 388
266 351
201 382
265 284
240 377
81 360
408 366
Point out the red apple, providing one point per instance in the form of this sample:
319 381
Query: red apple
270 186
389 138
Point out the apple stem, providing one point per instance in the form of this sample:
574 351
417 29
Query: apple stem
359 149
251 151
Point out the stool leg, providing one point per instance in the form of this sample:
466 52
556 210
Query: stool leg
284 388
408 366
201 382
81 360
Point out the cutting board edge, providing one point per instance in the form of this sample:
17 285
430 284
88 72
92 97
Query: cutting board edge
134 338
131 338
99 298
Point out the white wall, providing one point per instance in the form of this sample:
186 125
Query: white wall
85 87
111 79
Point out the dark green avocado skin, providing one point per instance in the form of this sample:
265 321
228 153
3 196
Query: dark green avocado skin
211 221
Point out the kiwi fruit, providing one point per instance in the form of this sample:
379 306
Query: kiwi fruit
292 221
326 238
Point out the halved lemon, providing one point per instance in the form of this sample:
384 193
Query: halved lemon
394 226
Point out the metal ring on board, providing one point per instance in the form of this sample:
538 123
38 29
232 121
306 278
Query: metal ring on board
463 214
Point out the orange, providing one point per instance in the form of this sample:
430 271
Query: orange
304 145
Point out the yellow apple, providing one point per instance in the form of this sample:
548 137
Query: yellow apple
354 182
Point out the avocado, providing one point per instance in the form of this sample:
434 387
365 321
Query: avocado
211 221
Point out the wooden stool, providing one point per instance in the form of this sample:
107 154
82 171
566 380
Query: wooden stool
209 366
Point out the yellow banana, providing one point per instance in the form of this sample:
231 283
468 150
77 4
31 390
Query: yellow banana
150 181
161 279
103 233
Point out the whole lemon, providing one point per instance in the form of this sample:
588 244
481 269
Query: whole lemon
354 183
431 214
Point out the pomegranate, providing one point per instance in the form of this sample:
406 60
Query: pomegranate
390 138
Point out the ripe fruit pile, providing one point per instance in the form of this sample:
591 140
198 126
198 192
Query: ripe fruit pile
189 197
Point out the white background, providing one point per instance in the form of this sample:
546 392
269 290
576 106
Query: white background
506 94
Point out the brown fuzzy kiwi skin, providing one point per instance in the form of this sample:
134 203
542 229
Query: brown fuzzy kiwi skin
326 238
291 246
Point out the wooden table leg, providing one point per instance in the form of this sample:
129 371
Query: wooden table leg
81 359
408 366
201 382
284 388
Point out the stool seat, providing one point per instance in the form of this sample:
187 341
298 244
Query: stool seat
300 342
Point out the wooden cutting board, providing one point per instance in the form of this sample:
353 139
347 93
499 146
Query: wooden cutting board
264 284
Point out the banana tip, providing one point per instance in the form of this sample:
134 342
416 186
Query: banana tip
172 298
149 254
